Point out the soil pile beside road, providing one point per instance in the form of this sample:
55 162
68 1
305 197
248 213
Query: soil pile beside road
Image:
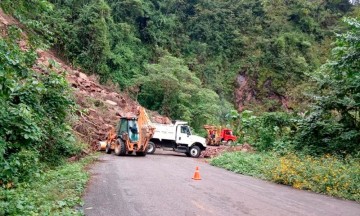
213 151
99 106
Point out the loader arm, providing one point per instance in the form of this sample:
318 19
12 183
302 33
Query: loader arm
146 128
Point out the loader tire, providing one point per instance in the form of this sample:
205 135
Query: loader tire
141 153
108 148
151 148
195 151
120 148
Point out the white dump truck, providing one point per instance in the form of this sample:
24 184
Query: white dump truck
176 137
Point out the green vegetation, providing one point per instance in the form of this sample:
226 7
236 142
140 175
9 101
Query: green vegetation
330 127
332 123
183 58
34 110
326 174
55 192
180 91
275 43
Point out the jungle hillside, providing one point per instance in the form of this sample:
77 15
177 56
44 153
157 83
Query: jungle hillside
194 58
283 75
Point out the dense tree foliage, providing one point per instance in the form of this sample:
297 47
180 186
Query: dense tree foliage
275 43
334 122
33 114
331 124
172 88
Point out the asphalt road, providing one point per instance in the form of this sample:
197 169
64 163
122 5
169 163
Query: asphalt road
162 184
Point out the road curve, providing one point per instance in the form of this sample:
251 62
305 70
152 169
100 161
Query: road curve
161 184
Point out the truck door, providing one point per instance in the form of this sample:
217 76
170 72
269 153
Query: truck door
183 135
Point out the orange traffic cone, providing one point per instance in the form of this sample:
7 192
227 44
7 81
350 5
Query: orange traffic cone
197 174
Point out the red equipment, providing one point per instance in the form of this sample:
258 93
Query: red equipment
218 135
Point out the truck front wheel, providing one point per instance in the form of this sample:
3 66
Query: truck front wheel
229 142
195 152
151 148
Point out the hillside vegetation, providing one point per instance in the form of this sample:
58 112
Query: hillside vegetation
200 46
36 111
318 150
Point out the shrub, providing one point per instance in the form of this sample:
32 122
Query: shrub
33 114
326 174
20 166
55 192
249 164
333 125
269 131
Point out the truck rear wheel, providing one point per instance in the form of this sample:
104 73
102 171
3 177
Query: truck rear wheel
120 148
195 152
151 148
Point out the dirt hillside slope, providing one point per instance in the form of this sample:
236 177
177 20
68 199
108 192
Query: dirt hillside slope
99 106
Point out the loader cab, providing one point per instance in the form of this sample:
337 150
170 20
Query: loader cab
128 127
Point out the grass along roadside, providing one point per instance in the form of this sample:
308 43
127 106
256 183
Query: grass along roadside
56 192
327 174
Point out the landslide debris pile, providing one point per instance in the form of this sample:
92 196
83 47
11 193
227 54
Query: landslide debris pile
99 106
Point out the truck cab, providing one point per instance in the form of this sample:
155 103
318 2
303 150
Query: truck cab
176 137
227 135
218 135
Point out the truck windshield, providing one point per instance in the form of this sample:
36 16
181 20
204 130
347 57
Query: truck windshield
228 132
185 130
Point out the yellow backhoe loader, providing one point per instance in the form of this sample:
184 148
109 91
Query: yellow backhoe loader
131 135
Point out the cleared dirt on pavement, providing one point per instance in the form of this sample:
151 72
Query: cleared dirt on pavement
161 184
